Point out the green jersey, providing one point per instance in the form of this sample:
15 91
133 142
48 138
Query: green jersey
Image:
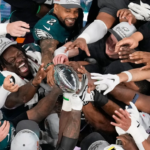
49 27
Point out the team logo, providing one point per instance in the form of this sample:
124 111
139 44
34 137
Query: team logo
41 34
73 1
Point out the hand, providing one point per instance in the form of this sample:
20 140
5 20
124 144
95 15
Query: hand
131 42
79 43
4 130
127 142
18 28
127 15
10 86
60 59
82 71
41 74
50 75
141 12
140 57
133 111
109 81
122 119
124 53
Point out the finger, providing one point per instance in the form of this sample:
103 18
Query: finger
87 51
145 68
127 60
119 115
22 30
123 112
62 60
23 24
6 129
59 60
15 89
96 74
121 14
118 13
124 57
115 124
129 18
117 119
3 125
54 61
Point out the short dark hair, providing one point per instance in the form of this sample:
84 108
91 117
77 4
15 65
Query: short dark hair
3 62
144 87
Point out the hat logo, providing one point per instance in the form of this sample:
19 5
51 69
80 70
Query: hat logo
73 1
125 29
120 32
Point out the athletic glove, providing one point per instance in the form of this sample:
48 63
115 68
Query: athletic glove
99 99
141 12
105 82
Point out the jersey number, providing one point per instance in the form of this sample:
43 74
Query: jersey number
51 22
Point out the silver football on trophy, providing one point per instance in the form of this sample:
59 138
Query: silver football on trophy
66 78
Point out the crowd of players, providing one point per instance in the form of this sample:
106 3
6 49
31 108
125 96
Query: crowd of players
110 55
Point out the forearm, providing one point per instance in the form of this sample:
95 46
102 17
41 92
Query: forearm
23 95
90 35
126 95
137 75
48 46
73 52
73 125
97 119
44 106
110 108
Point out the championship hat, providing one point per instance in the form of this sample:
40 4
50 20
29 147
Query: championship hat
95 141
27 136
68 3
5 43
5 144
123 30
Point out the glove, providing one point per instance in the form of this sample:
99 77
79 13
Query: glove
134 113
141 12
99 99
77 100
105 82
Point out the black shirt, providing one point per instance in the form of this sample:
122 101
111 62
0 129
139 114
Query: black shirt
24 10
108 6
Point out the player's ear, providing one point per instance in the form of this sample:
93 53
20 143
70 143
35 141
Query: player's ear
56 8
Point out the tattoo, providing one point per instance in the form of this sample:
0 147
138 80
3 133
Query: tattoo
48 46
73 126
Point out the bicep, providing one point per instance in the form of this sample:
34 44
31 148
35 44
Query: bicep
108 19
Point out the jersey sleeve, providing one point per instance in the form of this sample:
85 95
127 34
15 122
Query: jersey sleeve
112 6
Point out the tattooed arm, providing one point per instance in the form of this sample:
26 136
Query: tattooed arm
48 46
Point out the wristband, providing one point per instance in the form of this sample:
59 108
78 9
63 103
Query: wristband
48 65
129 75
66 102
61 50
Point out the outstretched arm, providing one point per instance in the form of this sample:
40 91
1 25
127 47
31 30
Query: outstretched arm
48 46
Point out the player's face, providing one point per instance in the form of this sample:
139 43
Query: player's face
68 16
110 47
16 61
